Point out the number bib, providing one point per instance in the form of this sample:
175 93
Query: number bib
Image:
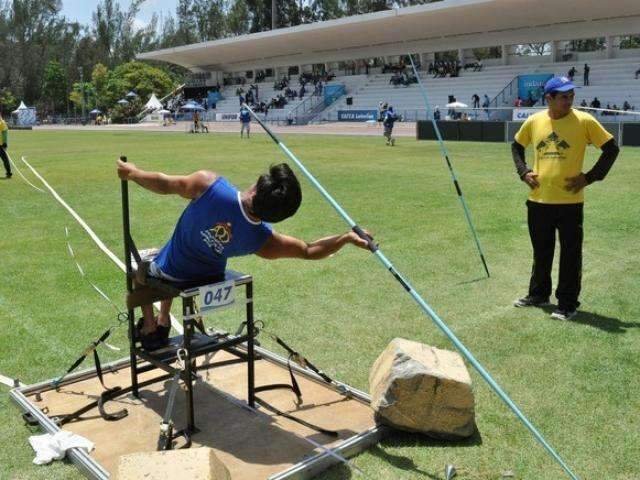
218 295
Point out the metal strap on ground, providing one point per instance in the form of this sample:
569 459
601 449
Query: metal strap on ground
174 322
424 306
445 155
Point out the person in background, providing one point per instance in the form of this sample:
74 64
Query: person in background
585 75
245 122
390 118
556 184
3 147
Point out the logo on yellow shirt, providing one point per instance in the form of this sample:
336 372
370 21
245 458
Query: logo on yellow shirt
552 147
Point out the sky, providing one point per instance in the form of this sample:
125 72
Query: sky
81 10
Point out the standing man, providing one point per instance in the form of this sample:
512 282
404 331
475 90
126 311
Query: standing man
389 119
585 74
245 121
5 139
560 136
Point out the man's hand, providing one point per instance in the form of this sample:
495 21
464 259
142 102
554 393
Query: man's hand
125 169
577 183
354 238
531 179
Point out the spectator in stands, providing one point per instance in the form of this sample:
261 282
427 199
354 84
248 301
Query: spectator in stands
595 103
519 103
626 106
436 113
430 69
241 99
476 100
585 75
637 73
485 104
583 103
572 73
302 91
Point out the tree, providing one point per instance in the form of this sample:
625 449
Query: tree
238 19
83 93
487 52
186 22
55 86
99 79
588 45
530 49
7 101
138 77
630 41
210 19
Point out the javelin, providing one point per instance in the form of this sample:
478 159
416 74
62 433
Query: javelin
424 306
445 154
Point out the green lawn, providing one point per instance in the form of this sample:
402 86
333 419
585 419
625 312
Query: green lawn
578 381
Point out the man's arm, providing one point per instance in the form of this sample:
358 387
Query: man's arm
610 151
609 154
187 186
284 246
524 172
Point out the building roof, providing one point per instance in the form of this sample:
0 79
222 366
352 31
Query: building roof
452 23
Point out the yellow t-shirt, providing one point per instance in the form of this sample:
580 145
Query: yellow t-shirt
4 131
559 151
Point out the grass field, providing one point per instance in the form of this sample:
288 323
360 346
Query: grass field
579 382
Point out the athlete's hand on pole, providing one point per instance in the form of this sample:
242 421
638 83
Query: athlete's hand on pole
577 183
125 169
531 179
355 239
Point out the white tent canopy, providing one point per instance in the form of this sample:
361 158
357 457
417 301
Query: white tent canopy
153 103
20 108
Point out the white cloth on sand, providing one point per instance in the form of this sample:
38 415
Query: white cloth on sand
50 447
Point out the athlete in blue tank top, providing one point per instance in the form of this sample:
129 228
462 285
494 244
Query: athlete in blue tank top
213 228
221 222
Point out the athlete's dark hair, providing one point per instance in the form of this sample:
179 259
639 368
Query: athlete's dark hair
278 194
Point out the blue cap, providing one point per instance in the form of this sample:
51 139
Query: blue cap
558 84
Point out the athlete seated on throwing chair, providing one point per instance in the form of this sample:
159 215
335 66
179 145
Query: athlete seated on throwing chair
221 222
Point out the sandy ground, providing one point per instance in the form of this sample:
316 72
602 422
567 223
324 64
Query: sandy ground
403 129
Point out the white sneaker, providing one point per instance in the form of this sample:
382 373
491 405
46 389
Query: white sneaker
562 314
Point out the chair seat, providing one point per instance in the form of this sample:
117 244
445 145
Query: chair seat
156 289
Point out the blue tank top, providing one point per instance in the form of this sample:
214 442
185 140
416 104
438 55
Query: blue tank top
211 229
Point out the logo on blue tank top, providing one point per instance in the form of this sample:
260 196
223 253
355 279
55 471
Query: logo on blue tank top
217 237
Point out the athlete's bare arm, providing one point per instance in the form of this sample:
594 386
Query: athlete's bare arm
187 186
284 246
